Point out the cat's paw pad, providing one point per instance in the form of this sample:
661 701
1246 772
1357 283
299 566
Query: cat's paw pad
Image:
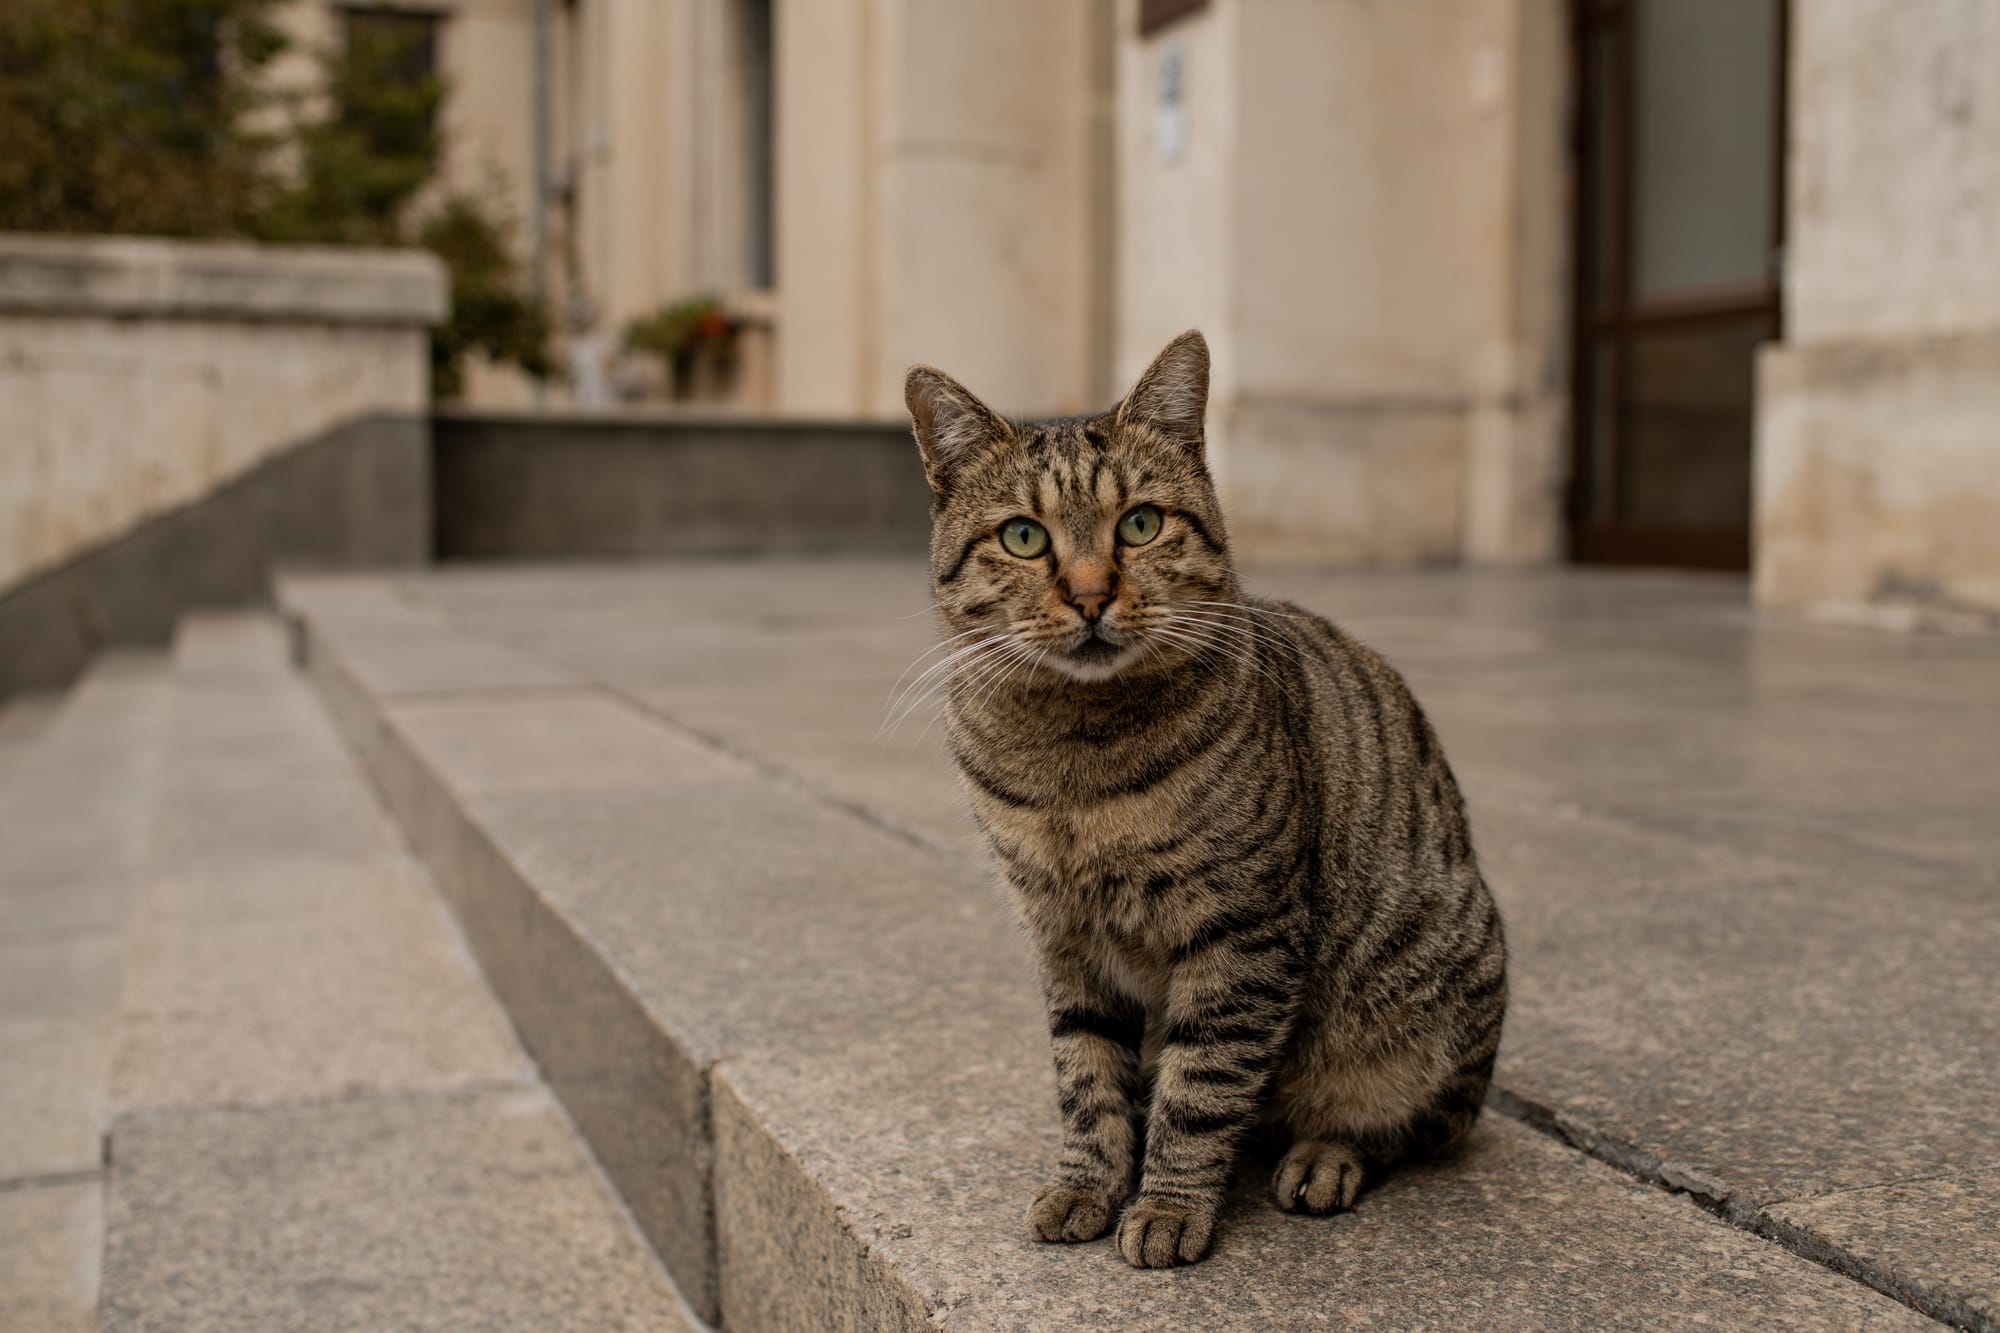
1317 1177
1159 1232
1068 1213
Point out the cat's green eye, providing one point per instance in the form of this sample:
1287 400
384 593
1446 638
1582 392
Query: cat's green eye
1024 537
1139 526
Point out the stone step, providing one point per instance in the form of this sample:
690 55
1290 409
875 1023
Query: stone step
23 717
808 1049
76 792
322 1120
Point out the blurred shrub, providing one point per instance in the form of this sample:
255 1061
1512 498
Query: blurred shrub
150 117
133 115
489 312
357 166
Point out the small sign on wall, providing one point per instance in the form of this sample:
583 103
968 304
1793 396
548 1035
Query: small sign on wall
1170 123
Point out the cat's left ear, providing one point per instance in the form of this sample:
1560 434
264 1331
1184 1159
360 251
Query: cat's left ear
952 425
1172 396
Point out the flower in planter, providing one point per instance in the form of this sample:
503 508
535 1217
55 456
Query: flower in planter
695 338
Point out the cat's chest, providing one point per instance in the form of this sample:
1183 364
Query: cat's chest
1093 871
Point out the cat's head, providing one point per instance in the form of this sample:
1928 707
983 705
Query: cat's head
1089 547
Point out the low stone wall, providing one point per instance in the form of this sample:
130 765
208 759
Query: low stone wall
584 486
138 374
355 497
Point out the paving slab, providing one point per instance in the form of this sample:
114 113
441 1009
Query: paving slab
915 1222
54 1097
1935 1236
1748 864
285 945
861 1022
24 717
256 769
59 978
324 1120
51 1240
471 1211
58 996
75 801
1765 1031
409 650
77 779
283 979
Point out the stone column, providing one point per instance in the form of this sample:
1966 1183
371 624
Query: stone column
939 200
1363 210
1878 431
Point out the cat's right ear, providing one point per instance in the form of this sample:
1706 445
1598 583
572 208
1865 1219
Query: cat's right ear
1172 396
952 425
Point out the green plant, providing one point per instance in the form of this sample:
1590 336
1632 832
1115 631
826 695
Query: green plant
489 313
134 115
358 166
360 171
150 117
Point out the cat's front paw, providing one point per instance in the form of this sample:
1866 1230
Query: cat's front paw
1318 1176
1070 1213
1161 1232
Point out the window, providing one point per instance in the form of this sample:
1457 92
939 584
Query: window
759 129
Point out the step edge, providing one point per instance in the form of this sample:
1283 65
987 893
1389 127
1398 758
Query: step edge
488 895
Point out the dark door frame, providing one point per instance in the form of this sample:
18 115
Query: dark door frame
1595 534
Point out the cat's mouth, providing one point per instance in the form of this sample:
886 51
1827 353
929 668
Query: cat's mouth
1093 657
1096 649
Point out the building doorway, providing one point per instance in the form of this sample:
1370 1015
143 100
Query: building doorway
1679 223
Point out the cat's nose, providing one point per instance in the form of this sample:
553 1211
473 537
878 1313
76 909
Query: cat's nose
1090 603
1090 590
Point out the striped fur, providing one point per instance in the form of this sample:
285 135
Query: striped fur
1225 824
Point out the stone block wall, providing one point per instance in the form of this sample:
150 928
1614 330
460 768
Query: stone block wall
564 486
1878 433
138 374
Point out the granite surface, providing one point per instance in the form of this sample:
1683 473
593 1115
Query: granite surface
475 1210
1748 864
324 1120
51 1241
284 944
75 808
1688 813
1935 1237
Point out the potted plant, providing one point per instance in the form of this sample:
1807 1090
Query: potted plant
695 339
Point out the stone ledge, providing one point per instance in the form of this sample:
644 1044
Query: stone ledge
157 278
809 1054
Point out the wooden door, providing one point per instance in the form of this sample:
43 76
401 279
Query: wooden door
1679 223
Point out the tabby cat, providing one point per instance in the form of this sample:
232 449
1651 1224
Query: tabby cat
1226 826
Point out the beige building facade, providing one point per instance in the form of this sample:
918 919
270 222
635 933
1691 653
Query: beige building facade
1878 431
1683 282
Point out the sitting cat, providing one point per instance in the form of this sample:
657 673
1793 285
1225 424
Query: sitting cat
1226 826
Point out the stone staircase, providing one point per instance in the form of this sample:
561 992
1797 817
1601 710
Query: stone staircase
414 965
78 776
253 1078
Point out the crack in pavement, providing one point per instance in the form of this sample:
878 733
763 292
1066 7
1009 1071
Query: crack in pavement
1716 1198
